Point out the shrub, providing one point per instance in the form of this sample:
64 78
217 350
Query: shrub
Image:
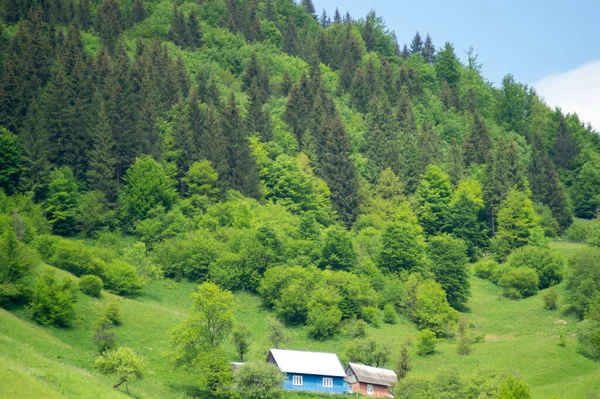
104 335
53 301
371 315
46 246
550 298
121 278
519 282
583 284
579 231
389 314
73 257
123 363
548 263
259 381
91 285
323 321
368 351
356 328
485 268
113 312
426 341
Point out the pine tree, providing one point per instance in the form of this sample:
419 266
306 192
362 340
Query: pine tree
309 7
59 117
369 33
286 84
455 162
433 196
545 184
212 144
429 147
352 57
325 21
138 13
183 141
109 23
194 32
339 171
35 142
84 14
102 164
428 50
337 17
382 144
179 33
291 44
477 142
242 171
409 161
405 52
447 65
181 76
496 181
270 12
416 46
296 113
359 91
566 147
324 48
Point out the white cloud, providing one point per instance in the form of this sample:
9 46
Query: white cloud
575 91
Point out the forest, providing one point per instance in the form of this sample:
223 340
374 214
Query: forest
184 184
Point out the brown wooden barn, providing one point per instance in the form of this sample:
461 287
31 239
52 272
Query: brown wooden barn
370 381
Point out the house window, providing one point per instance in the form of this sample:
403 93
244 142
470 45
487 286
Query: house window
327 382
297 380
369 389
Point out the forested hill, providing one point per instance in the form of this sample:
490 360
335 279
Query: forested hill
254 146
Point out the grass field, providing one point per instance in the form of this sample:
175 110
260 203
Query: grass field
49 362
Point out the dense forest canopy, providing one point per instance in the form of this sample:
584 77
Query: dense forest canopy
255 146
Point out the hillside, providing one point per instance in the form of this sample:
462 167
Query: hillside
301 181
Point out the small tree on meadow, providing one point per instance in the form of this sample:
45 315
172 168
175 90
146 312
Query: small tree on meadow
242 338
104 336
426 341
550 299
53 301
404 366
123 363
259 381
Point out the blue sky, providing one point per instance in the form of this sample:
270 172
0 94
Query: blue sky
543 43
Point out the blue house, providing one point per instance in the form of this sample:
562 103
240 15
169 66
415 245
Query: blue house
310 371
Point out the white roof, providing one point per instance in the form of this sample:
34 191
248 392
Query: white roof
314 363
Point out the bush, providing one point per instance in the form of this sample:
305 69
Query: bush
548 263
583 284
122 279
53 301
113 312
73 257
485 268
46 246
371 315
356 328
426 341
91 285
519 282
258 381
104 335
579 231
550 298
389 314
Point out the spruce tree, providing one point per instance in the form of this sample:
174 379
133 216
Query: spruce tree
566 147
59 117
447 65
477 142
102 164
324 48
291 43
309 7
359 91
109 23
183 141
178 33
429 147
428 50
433 196
242 171
325 21
405 52
35 142
138 13
352 57
286 84
369 33
339 172
545 184
83 14
212 145
337 17
270 13
296 113
409 159
194 32
416 46
455 162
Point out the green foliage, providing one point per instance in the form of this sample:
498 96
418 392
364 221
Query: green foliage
433 196
276 335
258 381
583 282
426 341
514 388
324 315
208 324
585 191
94 214
63 197
113 313
16 262
404 365
53 300
122 278
548 263
104 335
91 285
215 371
10 158
73 257
201 180
401 248
368 351
450 265
123 363
485 268
519 282
389 314
147 186
431 309
338 252
242 338
550 299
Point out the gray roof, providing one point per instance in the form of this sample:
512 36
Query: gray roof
313 363
373 375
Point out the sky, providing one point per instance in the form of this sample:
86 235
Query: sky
551 45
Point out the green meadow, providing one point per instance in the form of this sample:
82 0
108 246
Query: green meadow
520 336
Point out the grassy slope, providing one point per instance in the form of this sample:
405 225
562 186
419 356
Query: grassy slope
49 362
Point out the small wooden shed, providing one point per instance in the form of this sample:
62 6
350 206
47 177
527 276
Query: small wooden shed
370 381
